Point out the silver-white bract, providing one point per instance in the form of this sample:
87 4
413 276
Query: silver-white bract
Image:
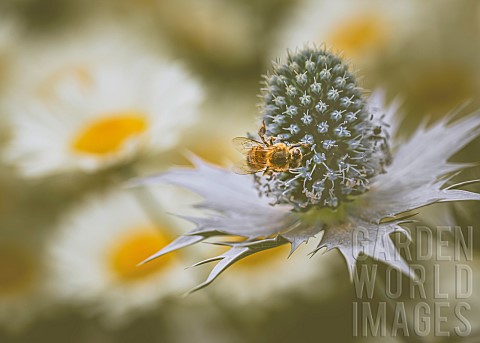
416 178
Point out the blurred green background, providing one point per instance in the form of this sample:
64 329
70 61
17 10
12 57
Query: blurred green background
82 69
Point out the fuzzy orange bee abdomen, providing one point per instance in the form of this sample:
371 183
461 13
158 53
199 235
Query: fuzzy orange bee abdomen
257 158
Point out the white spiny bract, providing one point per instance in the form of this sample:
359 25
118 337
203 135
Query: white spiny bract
309 99
313 98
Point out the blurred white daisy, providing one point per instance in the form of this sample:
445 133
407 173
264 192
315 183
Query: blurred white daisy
359 29
350 187
24 294
96 254
89 113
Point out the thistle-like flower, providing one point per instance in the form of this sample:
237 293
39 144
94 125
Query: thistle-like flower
348 179
314 99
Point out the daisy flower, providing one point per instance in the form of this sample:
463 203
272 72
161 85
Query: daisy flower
96 254
24 293
354 184
358 28
91 113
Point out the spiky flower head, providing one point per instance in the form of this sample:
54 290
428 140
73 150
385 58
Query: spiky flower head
313 98
417 175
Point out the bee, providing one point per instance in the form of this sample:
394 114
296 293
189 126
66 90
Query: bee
267 156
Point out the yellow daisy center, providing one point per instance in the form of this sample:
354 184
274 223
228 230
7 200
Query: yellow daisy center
17 270
127 252
108 134
357 35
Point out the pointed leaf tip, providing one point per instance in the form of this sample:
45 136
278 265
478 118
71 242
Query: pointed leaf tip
180 242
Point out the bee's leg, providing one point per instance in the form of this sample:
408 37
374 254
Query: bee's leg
262 132
303 145
268 172
308 153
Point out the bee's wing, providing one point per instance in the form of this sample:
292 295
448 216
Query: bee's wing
243 168
244 144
